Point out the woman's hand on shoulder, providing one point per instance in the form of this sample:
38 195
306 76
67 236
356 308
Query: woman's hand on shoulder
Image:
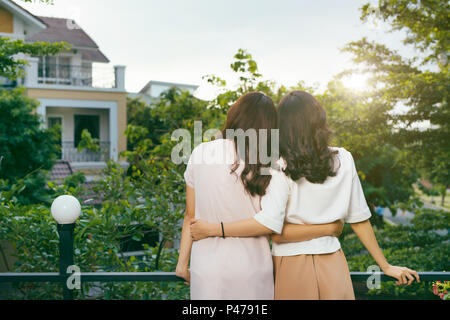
201 229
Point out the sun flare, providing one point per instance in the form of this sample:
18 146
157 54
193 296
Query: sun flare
356 81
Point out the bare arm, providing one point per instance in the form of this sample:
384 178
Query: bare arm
301 232
244 228
251 228
182 269
365 233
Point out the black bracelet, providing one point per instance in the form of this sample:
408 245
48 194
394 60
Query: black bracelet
223 232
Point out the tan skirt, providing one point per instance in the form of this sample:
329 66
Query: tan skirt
313 277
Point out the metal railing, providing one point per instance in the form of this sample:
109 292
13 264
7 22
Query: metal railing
72 75
69 152
66 209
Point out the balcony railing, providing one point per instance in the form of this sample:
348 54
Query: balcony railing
98 76
69 152
75 76
66 209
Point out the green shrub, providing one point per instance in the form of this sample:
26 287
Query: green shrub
26 149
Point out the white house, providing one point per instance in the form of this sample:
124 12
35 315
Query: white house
76 89
153 89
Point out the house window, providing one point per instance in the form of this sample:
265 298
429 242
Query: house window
89 122
53 121
7 83
54 69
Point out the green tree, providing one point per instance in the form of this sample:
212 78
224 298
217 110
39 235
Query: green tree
249 79
420 83
440 173
11 67
87 142
25 147
139 114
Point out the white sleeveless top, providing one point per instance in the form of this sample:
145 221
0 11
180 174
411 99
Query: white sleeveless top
339 198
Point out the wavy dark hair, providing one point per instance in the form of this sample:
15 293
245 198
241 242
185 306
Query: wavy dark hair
304 138
256 111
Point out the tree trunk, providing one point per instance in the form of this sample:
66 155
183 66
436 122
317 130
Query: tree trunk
158 255
444 192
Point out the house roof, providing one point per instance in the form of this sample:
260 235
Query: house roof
24 13
93 55
168 84
62 29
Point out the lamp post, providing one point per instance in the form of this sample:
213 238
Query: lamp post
65 210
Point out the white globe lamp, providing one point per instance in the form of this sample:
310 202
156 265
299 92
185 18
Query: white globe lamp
65 209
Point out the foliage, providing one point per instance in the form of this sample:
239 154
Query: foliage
98 238
140 117
439 172
11 67
26 149
87 142
421 83
249 79
425 22
100 230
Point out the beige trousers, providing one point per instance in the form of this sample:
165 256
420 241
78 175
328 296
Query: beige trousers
313 277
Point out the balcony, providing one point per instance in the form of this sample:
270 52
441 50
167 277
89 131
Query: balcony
75 77
70 75
69 152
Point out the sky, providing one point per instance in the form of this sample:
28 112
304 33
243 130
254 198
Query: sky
183 40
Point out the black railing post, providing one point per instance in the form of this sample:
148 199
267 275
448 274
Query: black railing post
65 210
65 232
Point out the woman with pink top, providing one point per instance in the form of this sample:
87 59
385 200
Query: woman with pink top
315 184
219 187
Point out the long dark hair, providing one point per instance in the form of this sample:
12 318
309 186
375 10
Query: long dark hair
304 138
256 111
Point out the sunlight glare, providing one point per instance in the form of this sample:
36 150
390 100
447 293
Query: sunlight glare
356 81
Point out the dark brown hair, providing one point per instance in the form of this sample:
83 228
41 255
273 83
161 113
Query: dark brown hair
254 110
304 138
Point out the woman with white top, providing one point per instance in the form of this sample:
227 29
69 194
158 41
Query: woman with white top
315 184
